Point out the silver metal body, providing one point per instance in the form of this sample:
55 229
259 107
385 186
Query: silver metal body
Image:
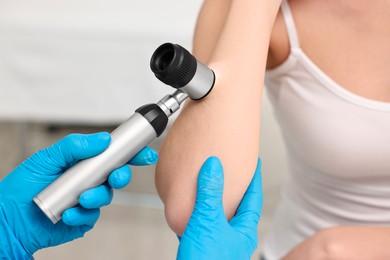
171 103
126 141
202 82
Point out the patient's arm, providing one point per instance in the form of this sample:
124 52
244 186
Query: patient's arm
232 38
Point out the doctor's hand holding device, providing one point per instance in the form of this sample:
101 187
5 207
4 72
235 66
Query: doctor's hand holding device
24 229
173 65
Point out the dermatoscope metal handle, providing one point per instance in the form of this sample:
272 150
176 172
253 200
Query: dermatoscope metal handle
173 65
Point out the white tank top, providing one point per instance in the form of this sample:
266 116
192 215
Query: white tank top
338 148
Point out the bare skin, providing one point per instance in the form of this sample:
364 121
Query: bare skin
348 39
344 243
226 123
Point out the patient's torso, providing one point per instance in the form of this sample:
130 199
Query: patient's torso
337 138
349 40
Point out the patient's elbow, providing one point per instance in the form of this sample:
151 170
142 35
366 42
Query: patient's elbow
176 186
177 213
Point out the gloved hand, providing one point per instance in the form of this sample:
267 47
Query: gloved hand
208 234
24 229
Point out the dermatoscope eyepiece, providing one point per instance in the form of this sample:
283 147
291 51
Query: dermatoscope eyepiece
176 67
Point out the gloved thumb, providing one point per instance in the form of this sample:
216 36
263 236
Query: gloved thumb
209 189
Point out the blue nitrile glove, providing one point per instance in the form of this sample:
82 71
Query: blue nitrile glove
24 229
208 234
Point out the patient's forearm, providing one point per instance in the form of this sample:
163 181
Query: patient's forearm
227 122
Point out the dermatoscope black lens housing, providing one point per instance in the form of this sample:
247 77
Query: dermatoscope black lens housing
176 67
173 65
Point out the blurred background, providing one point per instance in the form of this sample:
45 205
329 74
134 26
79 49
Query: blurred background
83 66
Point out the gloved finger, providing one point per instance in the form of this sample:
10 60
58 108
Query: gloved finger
75 147
69 150
146 156
209 188
120 177
249 210
78 216
208 209
96 197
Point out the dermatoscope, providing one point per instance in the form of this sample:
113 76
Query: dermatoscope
174 66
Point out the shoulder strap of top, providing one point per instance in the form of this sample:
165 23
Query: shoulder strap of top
290 25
